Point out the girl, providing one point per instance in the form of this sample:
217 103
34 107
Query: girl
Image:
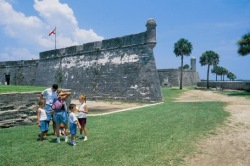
42 120
82 116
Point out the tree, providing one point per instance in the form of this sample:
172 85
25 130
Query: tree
181 48
231 76
244 45
215 70
209 58
224 72
186 66
221 71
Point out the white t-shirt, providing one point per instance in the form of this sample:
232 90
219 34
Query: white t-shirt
72 118
82 114
43 115
49 95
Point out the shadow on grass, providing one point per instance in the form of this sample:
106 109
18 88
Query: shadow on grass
243 94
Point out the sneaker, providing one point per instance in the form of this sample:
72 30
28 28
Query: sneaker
39 139
58 140
73 143
66 139
85 138
80 136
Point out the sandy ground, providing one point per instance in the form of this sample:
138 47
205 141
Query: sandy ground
230 146
97 108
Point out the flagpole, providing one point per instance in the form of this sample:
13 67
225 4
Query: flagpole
55 40
60 67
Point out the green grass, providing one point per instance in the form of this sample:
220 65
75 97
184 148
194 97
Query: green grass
245 94
17 88
157 135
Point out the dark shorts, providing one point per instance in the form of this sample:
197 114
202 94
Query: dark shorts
82 121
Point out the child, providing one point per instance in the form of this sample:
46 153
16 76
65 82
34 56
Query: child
42 120
82 116
72 123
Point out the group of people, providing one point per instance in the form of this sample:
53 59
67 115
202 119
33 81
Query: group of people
60 117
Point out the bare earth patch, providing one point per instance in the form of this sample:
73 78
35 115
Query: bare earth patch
231 144
97 108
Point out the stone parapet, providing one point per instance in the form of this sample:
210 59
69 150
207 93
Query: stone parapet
95 47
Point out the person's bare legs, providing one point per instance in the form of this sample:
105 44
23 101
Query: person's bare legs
85 133
57 133
81 131
66 126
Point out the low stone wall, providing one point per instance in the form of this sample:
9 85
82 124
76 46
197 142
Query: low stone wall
234 85
19 108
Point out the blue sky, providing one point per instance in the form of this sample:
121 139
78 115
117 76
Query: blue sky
208 24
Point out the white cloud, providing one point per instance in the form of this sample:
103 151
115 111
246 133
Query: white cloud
12 54
62 16
32 31
16 24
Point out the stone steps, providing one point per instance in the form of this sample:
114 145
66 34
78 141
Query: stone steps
24 114
15 122
6 107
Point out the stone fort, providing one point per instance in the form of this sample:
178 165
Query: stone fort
121 68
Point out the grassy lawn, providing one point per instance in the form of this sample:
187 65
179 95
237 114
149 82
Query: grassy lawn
245 94
157 135
15 88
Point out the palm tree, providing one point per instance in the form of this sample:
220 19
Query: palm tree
244 45
220 71
209 58
181 48
231 76
215 70
224 72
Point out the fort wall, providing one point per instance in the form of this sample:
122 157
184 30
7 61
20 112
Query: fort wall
121 68
171 77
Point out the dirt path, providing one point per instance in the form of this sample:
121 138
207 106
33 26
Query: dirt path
231 145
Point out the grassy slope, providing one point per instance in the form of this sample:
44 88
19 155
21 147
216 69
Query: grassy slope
15 88
158 135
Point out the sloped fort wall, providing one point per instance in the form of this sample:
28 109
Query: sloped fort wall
121 68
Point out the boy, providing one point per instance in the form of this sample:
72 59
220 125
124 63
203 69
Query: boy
73 122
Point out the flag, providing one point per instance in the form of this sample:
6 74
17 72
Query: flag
53 32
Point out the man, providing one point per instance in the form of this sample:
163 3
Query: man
50 95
